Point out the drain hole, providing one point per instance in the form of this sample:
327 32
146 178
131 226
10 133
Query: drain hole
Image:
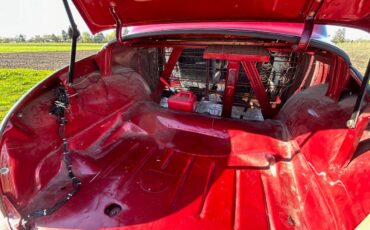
112 210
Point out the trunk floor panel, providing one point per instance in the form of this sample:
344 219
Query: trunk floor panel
183 192
164 178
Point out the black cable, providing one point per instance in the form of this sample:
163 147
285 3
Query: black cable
59 110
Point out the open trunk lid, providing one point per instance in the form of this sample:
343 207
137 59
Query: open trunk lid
101 15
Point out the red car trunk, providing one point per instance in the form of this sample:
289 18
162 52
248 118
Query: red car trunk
270 135
98 13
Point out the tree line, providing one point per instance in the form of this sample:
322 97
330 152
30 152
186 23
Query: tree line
64 36
339 36
86 37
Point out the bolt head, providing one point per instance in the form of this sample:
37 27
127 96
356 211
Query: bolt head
351 124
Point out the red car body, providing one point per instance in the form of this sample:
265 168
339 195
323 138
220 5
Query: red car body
201 161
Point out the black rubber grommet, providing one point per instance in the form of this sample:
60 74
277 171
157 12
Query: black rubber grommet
112 210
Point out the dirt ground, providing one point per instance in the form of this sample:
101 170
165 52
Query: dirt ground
39 60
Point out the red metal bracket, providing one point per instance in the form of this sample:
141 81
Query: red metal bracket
237 53
258 88
231 80
174 57
104 60
350 142
309 24
337 83
113 11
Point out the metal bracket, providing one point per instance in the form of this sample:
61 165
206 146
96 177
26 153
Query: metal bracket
258 88
171 63
309 24
230 87
114 13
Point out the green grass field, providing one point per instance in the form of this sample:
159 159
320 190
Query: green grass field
359 52
14 83
44 47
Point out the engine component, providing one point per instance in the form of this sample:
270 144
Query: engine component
206 79
278 74
209 107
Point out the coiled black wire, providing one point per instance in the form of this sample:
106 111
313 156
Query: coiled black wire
59 110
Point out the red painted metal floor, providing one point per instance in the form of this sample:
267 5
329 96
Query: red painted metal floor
170 170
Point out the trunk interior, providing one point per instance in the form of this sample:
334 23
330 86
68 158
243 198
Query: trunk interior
277 158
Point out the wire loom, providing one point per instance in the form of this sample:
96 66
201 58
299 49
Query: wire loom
59 110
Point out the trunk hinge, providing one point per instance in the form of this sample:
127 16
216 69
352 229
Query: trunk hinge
118 24
308 25
74 35
352 122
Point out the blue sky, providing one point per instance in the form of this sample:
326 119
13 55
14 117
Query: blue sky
31 17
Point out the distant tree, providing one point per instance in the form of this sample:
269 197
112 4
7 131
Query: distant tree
87 37
36 38
55 38
5 40
125 31
20 38
339 36
64 36
99 38
46 38
70 32
110 36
